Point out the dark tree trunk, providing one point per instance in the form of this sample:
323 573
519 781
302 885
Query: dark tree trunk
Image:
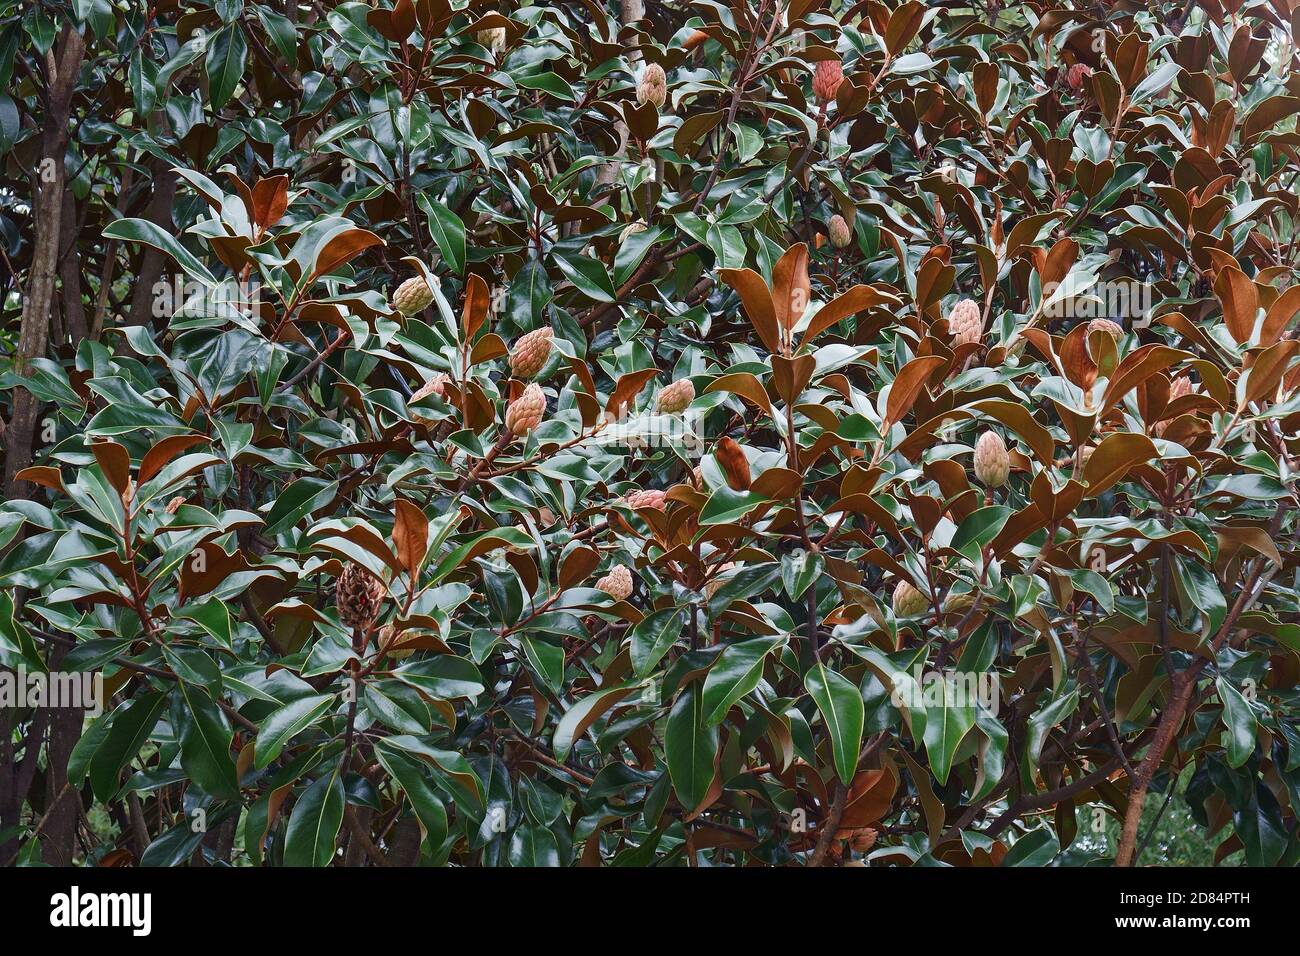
63 64
74 309
152 262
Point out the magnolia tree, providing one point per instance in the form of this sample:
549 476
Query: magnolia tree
805 434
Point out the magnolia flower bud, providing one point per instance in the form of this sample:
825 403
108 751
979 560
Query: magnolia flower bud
992 464
735 466
494 38
387 637
958 601
525 412
862 839
840 232
1179 387
827 78
719 579
436 385
617 584
1113 329
174 505
358 594
653 87
908 600
1077 76
650 498
676 397
412 296
631 229
531 352
965 323
128 494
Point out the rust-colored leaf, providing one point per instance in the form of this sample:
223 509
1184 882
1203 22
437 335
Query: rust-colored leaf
1077 364
167 449
757 299
1280 314
791 287
410 536
744 384
114 462
1267 371
475 311
626 390
577 566
735 466
1111 460
986 85
854 300
904 23
270 200
1021 420
791 375
869 798
1240 299
44 475
343 248
403 18
907 386
1136 366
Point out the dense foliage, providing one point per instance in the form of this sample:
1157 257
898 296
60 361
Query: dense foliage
681 434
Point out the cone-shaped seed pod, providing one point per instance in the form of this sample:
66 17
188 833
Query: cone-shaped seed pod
436 385
992 464
965 323
494 38
840 232
531 352
908 600
617 583
675 397
358 594
525 412
862 840
827 78
412 296
651 498
1114 329
653 87
958 601
1077 76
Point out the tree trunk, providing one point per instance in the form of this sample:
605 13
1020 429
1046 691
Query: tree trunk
152 262
74 309
47 210
630 11
404 848
59 836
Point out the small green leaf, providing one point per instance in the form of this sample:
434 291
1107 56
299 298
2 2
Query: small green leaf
314 826
690 747
738 670
1239 719
841 707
